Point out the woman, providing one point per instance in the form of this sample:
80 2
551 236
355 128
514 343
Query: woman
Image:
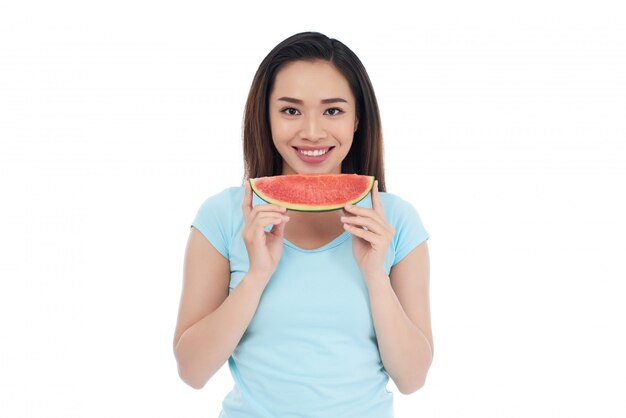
313 311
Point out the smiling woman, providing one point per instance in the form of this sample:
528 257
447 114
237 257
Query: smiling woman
314 311
339 68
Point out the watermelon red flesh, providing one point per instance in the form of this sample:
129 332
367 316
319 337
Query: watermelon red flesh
313 192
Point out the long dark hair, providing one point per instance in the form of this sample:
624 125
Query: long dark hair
366 153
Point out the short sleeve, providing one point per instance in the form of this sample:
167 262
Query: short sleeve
214 221
410 231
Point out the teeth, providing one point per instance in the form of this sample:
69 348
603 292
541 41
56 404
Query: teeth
315 153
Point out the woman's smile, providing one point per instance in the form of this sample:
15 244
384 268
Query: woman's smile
314 155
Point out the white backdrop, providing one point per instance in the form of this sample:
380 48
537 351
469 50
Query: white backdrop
504 126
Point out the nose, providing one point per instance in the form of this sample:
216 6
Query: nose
313 128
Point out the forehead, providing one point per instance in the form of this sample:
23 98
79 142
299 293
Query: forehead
311 80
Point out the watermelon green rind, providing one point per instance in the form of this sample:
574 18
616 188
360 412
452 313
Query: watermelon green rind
315 207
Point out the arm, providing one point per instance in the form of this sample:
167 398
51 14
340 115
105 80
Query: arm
210 322
401 315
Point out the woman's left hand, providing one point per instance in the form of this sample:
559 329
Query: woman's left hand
371 236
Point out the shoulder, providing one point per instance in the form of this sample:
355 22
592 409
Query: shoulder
218 217
402 214
404 218
395 206
224 198
221 206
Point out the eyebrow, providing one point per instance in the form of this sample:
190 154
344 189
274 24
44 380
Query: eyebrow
323 101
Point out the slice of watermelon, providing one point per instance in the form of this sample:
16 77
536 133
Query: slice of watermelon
313 192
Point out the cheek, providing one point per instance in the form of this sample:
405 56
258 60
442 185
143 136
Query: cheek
280 130
346 130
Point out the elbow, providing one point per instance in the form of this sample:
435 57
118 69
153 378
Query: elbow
195 385
412 388
416 381
189 379
187 375
412 385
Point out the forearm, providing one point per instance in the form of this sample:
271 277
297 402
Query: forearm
404 349
205 346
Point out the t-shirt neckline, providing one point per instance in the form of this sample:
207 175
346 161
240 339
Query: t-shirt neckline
335 242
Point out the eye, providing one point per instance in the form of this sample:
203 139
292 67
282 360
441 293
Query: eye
291 111
334 111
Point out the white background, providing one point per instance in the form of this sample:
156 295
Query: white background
504 125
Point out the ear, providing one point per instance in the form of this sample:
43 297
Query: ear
356 124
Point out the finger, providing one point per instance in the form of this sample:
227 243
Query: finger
279 229
264 216
269 207
357 210
368 236
376 204
369 223
263 220
352 209
246 206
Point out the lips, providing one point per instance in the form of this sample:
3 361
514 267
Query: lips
310 158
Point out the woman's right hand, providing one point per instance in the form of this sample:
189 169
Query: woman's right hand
264 248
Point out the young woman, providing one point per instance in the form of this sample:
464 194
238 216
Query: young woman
313 311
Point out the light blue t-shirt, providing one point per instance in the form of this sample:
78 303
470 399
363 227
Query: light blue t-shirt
310 350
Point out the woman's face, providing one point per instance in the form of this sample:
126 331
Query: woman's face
312 109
